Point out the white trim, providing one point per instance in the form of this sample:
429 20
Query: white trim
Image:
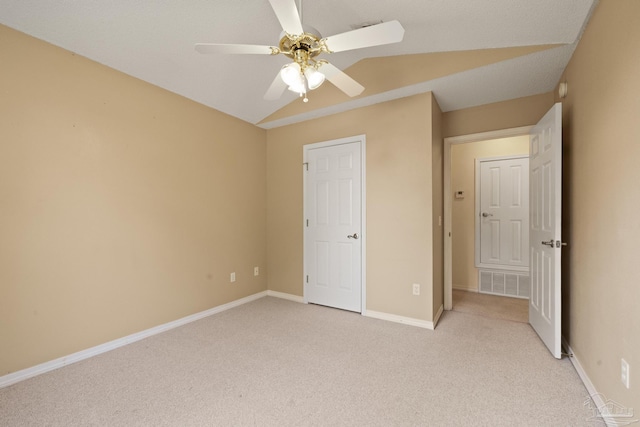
502 267
363 222
595 396
290 297
448 142
60 362
362 141
464 288
400 319
448 251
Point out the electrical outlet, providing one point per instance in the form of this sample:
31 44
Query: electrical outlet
233 277
256 271
416 289
624 372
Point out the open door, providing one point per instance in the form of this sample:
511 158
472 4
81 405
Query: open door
545 203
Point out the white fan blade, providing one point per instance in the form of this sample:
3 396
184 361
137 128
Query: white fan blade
276 89
234 48
341 80
288 15
375 35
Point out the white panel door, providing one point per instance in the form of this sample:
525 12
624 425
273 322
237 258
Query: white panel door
545 234
503 214
333 234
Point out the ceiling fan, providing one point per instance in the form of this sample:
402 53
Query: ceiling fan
303 45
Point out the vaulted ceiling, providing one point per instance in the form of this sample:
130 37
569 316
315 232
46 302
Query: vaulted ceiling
467 52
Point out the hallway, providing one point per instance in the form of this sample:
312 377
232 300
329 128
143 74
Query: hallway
492 306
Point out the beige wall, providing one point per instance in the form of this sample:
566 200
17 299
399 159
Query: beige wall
122 206
601 200
399 201
463 174
500 115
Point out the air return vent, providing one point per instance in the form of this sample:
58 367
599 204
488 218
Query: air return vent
505 283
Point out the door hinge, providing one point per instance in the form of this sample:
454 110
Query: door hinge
307 278
307 223
306 166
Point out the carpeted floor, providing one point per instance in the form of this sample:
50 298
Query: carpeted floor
494 306
278 363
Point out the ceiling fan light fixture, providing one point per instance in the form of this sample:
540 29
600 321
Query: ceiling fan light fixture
299 87
314 78
291 74
303 44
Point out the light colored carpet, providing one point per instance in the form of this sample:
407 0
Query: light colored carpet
278 363
494 306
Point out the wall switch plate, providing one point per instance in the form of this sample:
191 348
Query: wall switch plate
256 271
624 372
416 289
233 277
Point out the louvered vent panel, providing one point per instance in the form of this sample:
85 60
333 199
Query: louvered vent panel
498 283
486 278
506 283
511 285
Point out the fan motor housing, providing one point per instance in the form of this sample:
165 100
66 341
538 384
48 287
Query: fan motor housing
307 42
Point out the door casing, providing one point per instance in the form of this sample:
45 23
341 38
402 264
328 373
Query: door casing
361 139
448 197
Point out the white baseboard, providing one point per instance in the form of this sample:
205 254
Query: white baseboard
286 296
463 288
600 401
42 368
399 319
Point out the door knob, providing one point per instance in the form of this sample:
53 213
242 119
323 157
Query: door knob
485 214
353 236
550 243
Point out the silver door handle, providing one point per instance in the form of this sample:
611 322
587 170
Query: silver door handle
550 243
353 236
485 214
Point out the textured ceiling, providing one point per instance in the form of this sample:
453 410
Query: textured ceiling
153 40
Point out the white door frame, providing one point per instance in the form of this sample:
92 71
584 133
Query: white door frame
362 141
448 197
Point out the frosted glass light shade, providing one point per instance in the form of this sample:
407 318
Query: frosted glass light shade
298 87
291 74
314 78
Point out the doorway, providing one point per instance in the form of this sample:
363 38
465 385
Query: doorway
501 215
545 175
334 223
493 306
460 189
